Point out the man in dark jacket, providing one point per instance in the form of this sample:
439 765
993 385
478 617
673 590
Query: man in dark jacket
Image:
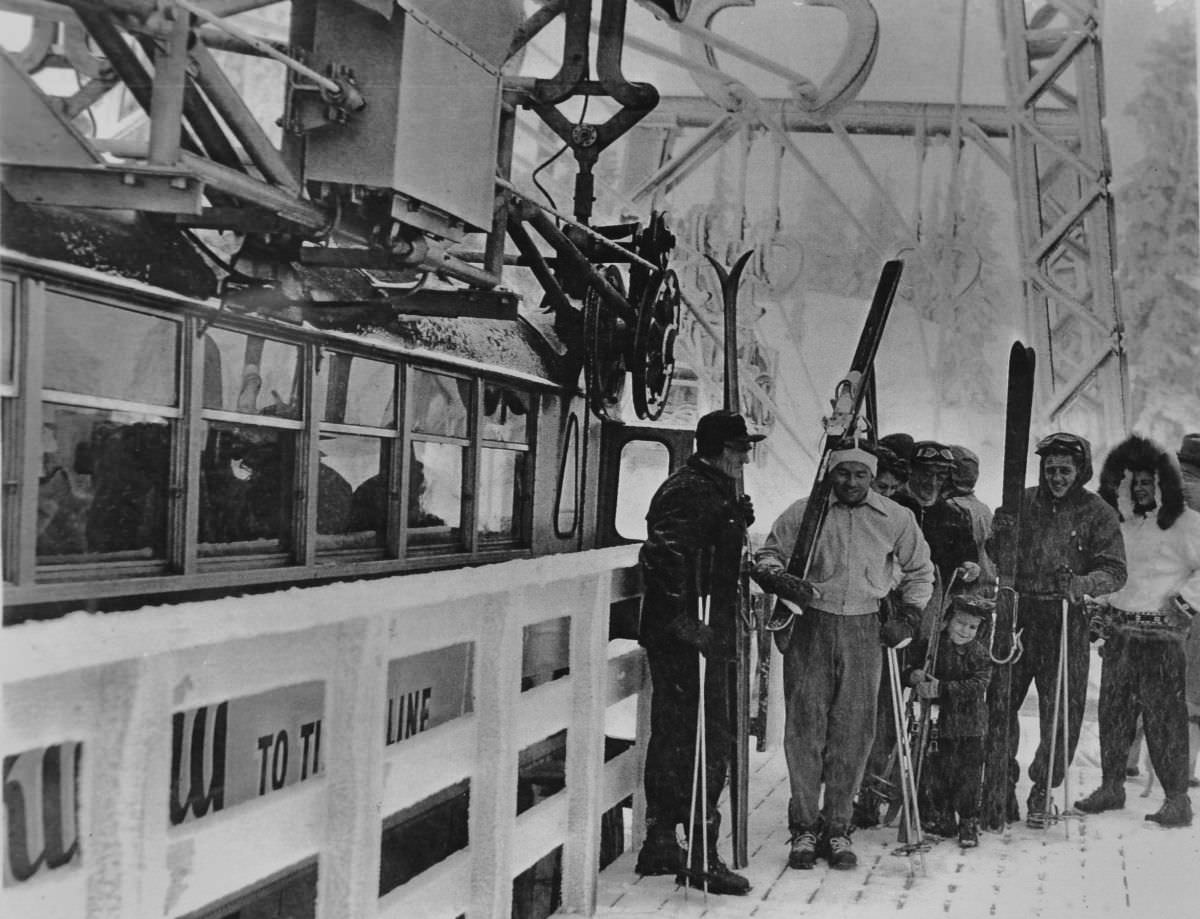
1070 545
696 528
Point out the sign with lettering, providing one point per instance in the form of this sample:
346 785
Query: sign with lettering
41 809
428 689
235 751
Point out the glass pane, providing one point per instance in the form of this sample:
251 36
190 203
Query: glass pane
352 500
103 487
8 328
99 350
566 510
644 466
505 414
246 477
501 493
435 495
247 373
439 403
361 391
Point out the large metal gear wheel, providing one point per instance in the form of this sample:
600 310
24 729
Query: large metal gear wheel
653 363
605 337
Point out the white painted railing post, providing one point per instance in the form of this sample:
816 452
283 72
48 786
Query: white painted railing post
129 759
640 744
348 873
585 745
494 777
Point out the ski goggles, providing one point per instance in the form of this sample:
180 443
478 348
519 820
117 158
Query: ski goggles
1060 443
932 454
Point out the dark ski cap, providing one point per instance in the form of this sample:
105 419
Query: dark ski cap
1189 450
718 428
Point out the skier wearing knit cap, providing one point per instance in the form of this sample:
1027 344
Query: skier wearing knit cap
832 665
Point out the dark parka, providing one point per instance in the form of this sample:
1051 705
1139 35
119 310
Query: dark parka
693 517
1079 531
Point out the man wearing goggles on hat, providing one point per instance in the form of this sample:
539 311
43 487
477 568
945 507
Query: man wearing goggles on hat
945 526
695 528
1070 545
867 546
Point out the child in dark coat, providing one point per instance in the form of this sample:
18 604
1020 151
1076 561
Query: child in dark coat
957 683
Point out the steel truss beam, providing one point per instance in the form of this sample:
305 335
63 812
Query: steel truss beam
1065 224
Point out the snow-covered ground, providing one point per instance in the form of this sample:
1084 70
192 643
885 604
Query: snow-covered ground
1111 864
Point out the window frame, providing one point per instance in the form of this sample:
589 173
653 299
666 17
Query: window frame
95 581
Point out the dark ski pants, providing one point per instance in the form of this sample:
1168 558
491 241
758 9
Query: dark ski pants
671 750
955 777
1144 675
1041 619
830 683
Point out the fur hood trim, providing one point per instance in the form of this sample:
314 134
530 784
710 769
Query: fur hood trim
1138 453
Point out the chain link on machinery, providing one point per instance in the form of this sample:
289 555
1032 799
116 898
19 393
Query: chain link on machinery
658 298
605 336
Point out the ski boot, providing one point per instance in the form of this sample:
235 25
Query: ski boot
716 878
661 852
968 833
802 853
1036 816
1104 798
1175 812
834 847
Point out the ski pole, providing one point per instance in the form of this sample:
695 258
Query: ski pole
910 828
1059 682
1066 722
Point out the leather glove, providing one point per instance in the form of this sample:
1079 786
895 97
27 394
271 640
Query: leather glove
929 689
1097 611
970 571
785 585
702 637
747 508
895 633
1003 524
910 615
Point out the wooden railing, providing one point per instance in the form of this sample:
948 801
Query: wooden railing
184 799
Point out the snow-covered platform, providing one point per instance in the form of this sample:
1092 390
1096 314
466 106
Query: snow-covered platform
1111 864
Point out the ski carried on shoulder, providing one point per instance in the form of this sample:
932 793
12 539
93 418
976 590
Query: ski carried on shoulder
1004 641
848 402
739 765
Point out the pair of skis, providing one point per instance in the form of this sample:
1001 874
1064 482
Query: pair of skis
1004 640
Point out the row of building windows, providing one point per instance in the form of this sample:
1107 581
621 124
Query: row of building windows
166 443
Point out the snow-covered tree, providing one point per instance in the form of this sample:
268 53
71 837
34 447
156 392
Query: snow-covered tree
1159 251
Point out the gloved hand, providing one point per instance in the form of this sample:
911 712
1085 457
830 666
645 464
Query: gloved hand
1064 583
785 585
1180 612
1003 525
1097 611
929 689
703 638
895 634
747 507
970 571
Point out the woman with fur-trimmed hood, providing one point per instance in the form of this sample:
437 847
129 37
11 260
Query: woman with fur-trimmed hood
1144 625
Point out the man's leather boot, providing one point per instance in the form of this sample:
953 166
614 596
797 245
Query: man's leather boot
1176 811
1105 798
661 852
